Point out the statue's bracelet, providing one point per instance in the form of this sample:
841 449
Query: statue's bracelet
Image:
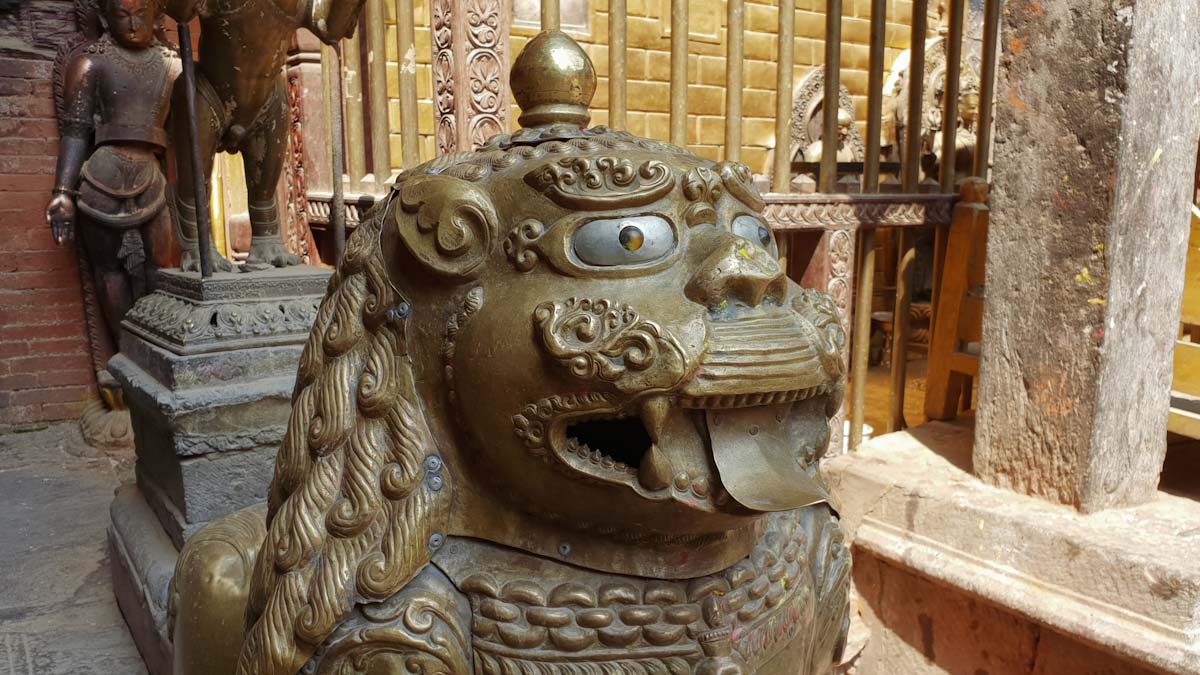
65 191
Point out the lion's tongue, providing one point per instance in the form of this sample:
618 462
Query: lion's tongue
758 455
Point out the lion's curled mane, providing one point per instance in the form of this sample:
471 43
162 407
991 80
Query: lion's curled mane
349 511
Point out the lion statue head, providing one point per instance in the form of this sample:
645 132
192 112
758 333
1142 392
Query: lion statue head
574 342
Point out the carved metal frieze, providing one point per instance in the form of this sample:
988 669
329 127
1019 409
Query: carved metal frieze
822 212
602 183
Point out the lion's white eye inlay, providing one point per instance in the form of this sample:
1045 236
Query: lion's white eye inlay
754 230
624 241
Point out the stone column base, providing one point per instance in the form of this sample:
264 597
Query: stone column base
143 562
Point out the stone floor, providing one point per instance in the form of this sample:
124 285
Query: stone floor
57 611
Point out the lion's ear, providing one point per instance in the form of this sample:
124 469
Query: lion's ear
446 223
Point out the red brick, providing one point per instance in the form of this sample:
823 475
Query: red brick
18 415
22 381
26 261
36 107
40 364
26 164
15 86
16 316
70 394
47 331
11 350
61 411
39 280
64 378
29 145
37 300
27 182
27 69
29 128
61 346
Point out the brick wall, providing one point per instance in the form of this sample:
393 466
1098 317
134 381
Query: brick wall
648 68
45 369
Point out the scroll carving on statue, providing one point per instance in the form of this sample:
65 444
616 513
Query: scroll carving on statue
560 412
242 107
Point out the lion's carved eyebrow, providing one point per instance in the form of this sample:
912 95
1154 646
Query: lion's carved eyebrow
602 183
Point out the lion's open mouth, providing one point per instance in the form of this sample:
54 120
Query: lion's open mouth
760 449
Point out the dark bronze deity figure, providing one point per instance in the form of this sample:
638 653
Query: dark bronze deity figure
241 105
114 95
560 413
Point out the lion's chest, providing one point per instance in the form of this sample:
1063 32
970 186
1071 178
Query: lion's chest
641 637
532 615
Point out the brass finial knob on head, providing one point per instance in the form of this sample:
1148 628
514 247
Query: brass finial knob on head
553 81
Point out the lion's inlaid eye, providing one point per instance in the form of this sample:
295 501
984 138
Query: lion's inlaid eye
631 237
624 241
752 229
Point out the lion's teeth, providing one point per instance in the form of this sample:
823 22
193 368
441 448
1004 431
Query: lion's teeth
655 471
654 415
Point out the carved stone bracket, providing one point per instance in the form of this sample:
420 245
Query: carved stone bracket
470 66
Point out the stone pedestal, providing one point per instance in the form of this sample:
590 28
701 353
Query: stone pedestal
207 368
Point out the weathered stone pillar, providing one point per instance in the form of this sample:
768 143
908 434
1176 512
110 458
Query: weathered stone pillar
470 72
1096 132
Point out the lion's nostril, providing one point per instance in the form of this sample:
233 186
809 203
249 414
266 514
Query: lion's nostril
737 272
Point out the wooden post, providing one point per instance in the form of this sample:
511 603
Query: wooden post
470 71
1096 128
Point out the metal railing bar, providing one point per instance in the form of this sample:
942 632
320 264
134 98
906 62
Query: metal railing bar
679 75
617 53
734 72
861 335
781 174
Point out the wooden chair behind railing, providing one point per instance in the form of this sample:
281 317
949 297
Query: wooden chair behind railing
828 238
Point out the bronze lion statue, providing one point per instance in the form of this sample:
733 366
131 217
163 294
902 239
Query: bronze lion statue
560 413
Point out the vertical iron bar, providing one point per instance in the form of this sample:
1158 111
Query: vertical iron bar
199 179
861 337
331 64
987 87
734 69
410 142
832 100
551 17
781 177
381 161
616 64
910 185
911 176
951 88
356 156
679 68
949 142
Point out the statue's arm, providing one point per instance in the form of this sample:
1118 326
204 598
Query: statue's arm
76 126
333 20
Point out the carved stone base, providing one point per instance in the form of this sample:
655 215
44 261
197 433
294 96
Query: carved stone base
106 428
143 562
207 369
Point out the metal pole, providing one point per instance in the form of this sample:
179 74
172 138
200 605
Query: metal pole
200 181
337 204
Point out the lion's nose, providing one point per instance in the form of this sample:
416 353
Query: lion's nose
737 271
